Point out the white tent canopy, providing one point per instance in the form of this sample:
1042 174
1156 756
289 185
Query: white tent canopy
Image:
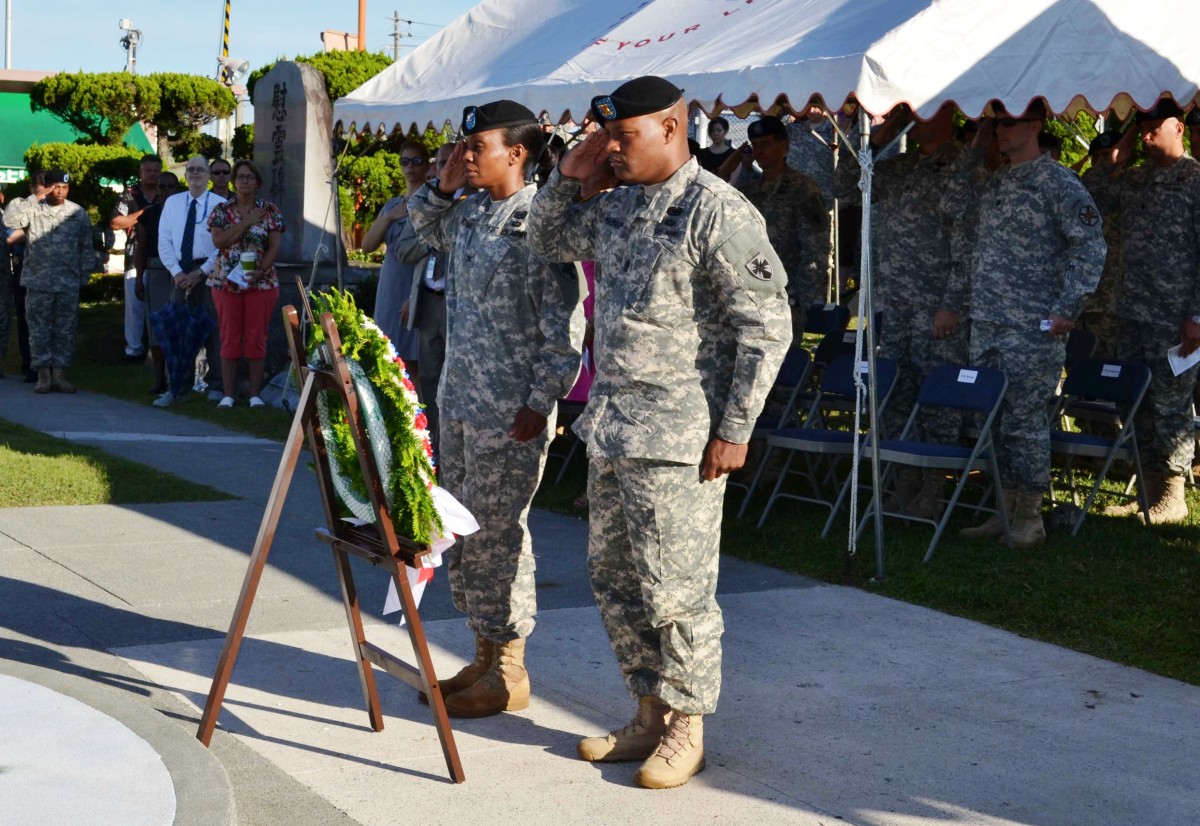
555 55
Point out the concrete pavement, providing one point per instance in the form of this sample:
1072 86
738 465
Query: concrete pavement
838 705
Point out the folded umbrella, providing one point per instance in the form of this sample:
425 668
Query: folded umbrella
181 330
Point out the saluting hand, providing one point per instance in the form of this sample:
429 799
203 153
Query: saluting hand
454 173
588 158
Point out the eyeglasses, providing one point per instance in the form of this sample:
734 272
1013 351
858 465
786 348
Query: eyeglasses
196 168
246 178
412 161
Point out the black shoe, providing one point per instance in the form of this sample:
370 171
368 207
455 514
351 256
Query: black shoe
130 359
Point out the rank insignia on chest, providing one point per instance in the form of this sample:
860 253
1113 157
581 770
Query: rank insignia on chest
1089 216
760 267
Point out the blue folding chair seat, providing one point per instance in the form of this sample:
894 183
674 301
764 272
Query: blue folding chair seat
1118 387
978 390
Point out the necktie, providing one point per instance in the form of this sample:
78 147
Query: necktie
189 236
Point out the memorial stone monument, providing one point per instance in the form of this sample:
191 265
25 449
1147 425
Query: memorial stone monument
293 132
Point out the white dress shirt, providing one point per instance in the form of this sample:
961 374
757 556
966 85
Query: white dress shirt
171 228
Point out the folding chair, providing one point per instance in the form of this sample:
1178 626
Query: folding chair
791 379
969 389
1121 385
826 434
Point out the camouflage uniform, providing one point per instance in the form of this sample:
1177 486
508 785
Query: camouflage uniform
1103 183
58 261
915 209
1160 257
514 330
692 324
7 294
798 228
1039 250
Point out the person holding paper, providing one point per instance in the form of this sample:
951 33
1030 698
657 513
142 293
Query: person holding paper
1159 302
1039 249
247 232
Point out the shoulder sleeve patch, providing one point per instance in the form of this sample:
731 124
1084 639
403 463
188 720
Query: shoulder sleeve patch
1089 216
760 267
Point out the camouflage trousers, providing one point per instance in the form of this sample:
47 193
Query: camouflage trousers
654 537
1164 421
1033 362
1106 327
7 294
908 338
53 318
491 571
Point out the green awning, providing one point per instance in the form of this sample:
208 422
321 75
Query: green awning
23 128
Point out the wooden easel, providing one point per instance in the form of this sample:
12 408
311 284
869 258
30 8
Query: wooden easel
378 544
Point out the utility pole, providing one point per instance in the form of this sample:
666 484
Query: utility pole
362 25
130 41
8 34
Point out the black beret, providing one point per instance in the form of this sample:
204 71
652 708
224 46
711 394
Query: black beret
1165 108
1105 140
767 126
495 115
56 176
1193 117
640 96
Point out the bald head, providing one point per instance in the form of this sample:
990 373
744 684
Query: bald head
648 149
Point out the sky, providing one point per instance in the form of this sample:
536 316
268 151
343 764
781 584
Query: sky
185 35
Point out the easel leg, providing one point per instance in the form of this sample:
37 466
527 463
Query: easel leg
354 620
258 560
416 634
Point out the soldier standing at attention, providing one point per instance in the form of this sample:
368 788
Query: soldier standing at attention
514 332
691 326
1109 151
1159 302
797 220
58 262
1038 251
922 297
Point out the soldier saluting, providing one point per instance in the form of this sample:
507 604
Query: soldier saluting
692 324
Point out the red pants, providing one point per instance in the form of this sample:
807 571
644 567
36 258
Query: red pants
243 319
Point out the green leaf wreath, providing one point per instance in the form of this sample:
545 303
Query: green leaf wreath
392 411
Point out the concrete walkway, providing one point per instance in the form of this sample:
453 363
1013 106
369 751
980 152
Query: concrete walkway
838 706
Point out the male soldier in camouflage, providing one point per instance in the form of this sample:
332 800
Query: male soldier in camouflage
1039 249
797 220
1109 151
514 331
922 298
692 325
1159 302
58 261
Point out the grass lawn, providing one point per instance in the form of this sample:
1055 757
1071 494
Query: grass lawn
98 367
36 469
1119 591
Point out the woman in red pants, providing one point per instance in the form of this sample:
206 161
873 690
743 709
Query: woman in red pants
247 231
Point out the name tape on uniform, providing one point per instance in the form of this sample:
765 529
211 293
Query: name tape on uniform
968 376
1110 371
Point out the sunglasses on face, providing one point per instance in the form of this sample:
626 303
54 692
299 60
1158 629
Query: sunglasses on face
221 172
412 161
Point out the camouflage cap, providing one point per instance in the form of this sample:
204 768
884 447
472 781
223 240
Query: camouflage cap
640 96
495 115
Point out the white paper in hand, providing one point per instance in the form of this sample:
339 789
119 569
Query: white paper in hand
1181 363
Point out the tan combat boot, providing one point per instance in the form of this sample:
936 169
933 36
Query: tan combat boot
1152 482
504 686
908 487
43 380
1027 528
58 380
636 741
469 674
992 526
1170 505
679 756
